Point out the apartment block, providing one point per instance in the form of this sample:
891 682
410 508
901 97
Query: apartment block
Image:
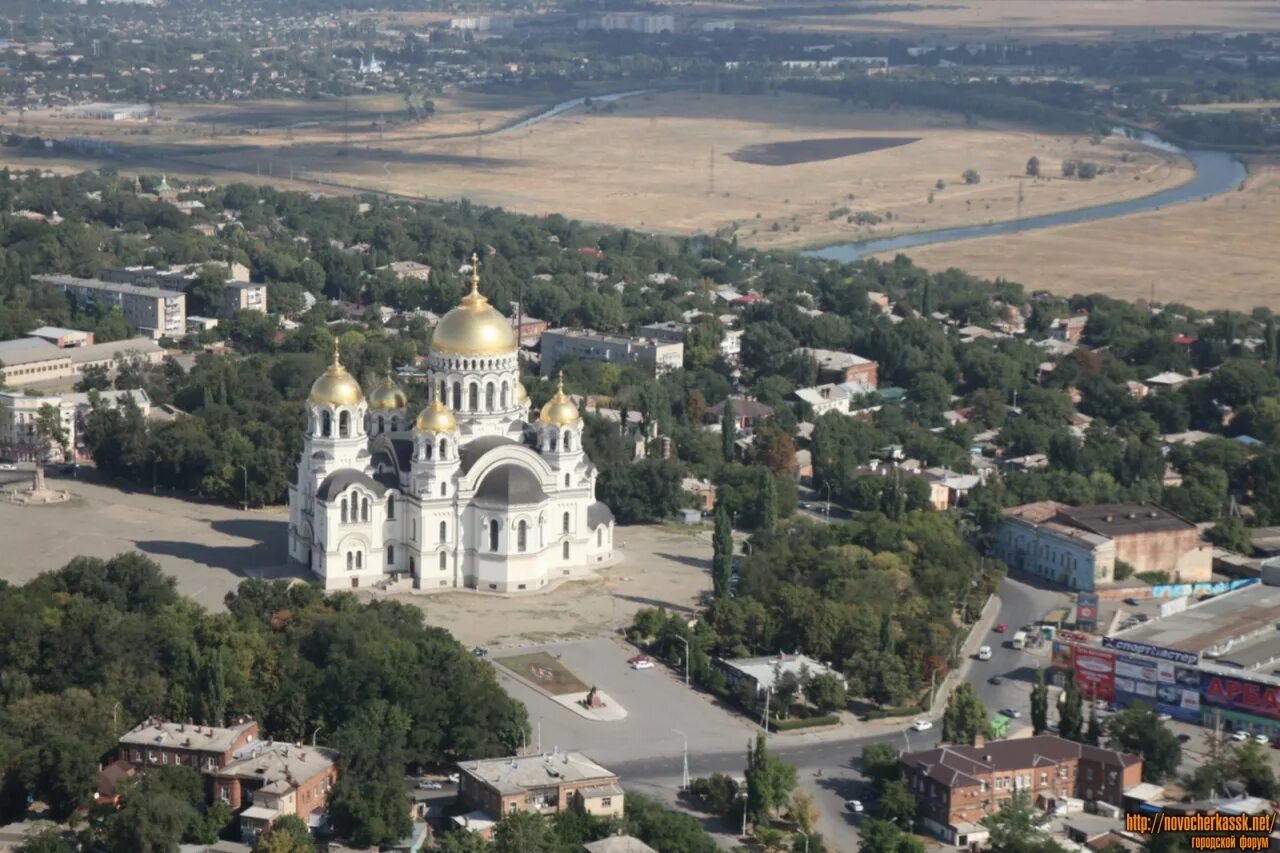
545 784
660 356
957 786
151 310
244 296
841 367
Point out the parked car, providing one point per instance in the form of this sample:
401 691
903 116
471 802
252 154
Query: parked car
854 806
642 664
8 466
921 726
984 653
454 778
427 785
1011 713
995 679
1133 602
635 659
1001 628
1164 718
1183 738
480 651
1240 735
1262 738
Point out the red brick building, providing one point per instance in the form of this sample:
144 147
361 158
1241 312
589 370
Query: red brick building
840 367
956 786
270 779
206 748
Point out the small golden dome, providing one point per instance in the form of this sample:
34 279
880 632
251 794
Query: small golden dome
522 394
435 418
336 387
560 410
475 327
387 395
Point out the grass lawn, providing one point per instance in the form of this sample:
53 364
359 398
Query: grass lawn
544 671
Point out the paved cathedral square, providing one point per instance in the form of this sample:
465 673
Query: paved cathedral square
469 494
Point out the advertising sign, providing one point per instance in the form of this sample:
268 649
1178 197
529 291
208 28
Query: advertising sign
1165 673
1062 656
1240 694
1095 672
1187 677
1137 668
1074 637
1086 608
1148 650
1178 590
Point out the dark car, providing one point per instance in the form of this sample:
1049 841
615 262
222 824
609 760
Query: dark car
1133 602
995 679
480 652
1183 738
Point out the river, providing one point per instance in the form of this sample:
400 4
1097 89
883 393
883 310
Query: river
1216 172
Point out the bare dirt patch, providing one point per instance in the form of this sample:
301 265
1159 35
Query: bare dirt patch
1218 253
545 671
814 150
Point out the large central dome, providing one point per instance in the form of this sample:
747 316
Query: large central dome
475 327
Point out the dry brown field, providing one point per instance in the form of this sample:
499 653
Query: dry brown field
1218 253
974 20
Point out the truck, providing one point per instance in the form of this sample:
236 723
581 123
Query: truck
1019 640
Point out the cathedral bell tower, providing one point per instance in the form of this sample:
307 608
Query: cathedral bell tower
388 408
336 410
436 447
560 432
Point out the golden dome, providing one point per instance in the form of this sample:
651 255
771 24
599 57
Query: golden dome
387 395
475 327
522 394
435 418
560 410
336 387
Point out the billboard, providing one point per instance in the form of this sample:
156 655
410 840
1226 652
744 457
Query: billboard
1179 590
1095 672
1063 658
1158 652
1240 694
1086 608
1159 684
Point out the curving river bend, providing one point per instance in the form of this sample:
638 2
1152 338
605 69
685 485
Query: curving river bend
1216 172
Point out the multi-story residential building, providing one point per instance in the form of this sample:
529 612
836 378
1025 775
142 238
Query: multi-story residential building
661 356
528 329
270 779
746 412
244 296
157 742
1079 546
840 367
957 786
545 784
18 416
408 269
159 313
730 343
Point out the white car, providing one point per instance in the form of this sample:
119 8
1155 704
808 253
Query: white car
984 653
854 806
921 726
8 466
642 664
1240 735
1164 718
1262 739
427 785
454 778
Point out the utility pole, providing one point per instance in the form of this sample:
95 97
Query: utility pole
684 773
245 469
764 720
686 659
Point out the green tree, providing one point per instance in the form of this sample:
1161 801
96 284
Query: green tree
769 503
825 693
1251 765
1039 704
770 781
1017 826
288 834
1138 731
665 830
46 839
971 176
1070 711
965 717
523 832
879 764
49 431
728 431
464 841
367 805
896 804
882 836
1232 534
722 552
1033 167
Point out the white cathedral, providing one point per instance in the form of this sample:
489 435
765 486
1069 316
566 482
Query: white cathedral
469 494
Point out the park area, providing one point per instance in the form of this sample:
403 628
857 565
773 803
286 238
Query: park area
1217 253
545 671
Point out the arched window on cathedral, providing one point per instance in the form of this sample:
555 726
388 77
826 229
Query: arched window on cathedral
568 442
440 394
359 559
565 550
456 402
413 566
364 510
567 481
444 531
326 424
391 555
344 424
351 561
382 424
566 522
599 536
413 529
344 510
493 535
391 506
444 450
502 396
522 537
473 393
444 490
427 449
554 442
488 397
444 560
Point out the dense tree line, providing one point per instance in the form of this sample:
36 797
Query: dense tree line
100 644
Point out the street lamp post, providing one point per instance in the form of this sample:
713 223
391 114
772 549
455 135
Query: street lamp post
686 658
806 839
827 510
245 493
315 732
155 461
684 773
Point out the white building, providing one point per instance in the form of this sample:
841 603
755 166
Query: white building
469 494
19 413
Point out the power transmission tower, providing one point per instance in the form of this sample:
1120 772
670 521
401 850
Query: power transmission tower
711 172
1019 217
